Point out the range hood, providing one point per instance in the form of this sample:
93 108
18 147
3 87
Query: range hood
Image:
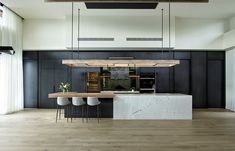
7 50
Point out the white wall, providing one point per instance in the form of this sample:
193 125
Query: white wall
120 27
230 80
229 37
56 34
44 34
232 23
200 33
186 33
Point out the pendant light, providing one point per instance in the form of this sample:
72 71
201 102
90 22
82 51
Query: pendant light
169 24
72 27
120 62
78 39
162 32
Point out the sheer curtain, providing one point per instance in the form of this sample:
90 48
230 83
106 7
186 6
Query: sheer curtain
230 80
11 70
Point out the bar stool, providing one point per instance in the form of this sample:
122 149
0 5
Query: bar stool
77 102
62 102
93 101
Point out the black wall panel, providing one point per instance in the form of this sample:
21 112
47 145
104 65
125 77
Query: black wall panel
30 83
164 82
46 86
182 77
51 73
78 80
199 73
199 79
182 55
215 84
216 55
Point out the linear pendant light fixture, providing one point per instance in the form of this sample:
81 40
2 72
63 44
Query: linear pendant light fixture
121 62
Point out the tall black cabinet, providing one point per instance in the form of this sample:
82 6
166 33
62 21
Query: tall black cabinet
199 79
51 73
215 80
30 70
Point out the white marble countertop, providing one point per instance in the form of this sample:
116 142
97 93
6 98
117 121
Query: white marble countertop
153 94
121 92
152 106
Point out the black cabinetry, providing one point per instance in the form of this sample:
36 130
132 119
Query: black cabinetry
51 73
147 83
30 70
200 73
199 79
215 80
182 73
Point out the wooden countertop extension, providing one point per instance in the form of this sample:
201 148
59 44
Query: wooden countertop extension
83 95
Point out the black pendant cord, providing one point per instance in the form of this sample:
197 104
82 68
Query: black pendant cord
162 32
169 26
78 31
72 28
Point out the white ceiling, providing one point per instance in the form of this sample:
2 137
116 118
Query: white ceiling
40 9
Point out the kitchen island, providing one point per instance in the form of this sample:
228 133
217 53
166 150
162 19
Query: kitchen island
166 106
131 106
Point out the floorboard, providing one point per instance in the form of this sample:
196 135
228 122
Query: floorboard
36 129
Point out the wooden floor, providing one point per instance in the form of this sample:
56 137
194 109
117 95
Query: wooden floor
211 130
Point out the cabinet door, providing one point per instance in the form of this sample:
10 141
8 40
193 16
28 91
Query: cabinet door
61 75
199 83
30 83
46 87
164 80
78 80
215 84
182 77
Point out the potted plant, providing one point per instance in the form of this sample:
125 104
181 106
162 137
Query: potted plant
133 89
64 87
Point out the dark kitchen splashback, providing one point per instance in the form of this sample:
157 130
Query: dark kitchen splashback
194 75
119 79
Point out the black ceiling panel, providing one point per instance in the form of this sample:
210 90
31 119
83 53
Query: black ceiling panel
121 5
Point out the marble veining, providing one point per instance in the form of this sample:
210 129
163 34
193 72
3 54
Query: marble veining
152 106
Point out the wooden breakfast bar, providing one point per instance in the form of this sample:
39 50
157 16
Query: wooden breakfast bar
103 95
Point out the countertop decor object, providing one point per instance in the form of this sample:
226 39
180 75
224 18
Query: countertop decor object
64 87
